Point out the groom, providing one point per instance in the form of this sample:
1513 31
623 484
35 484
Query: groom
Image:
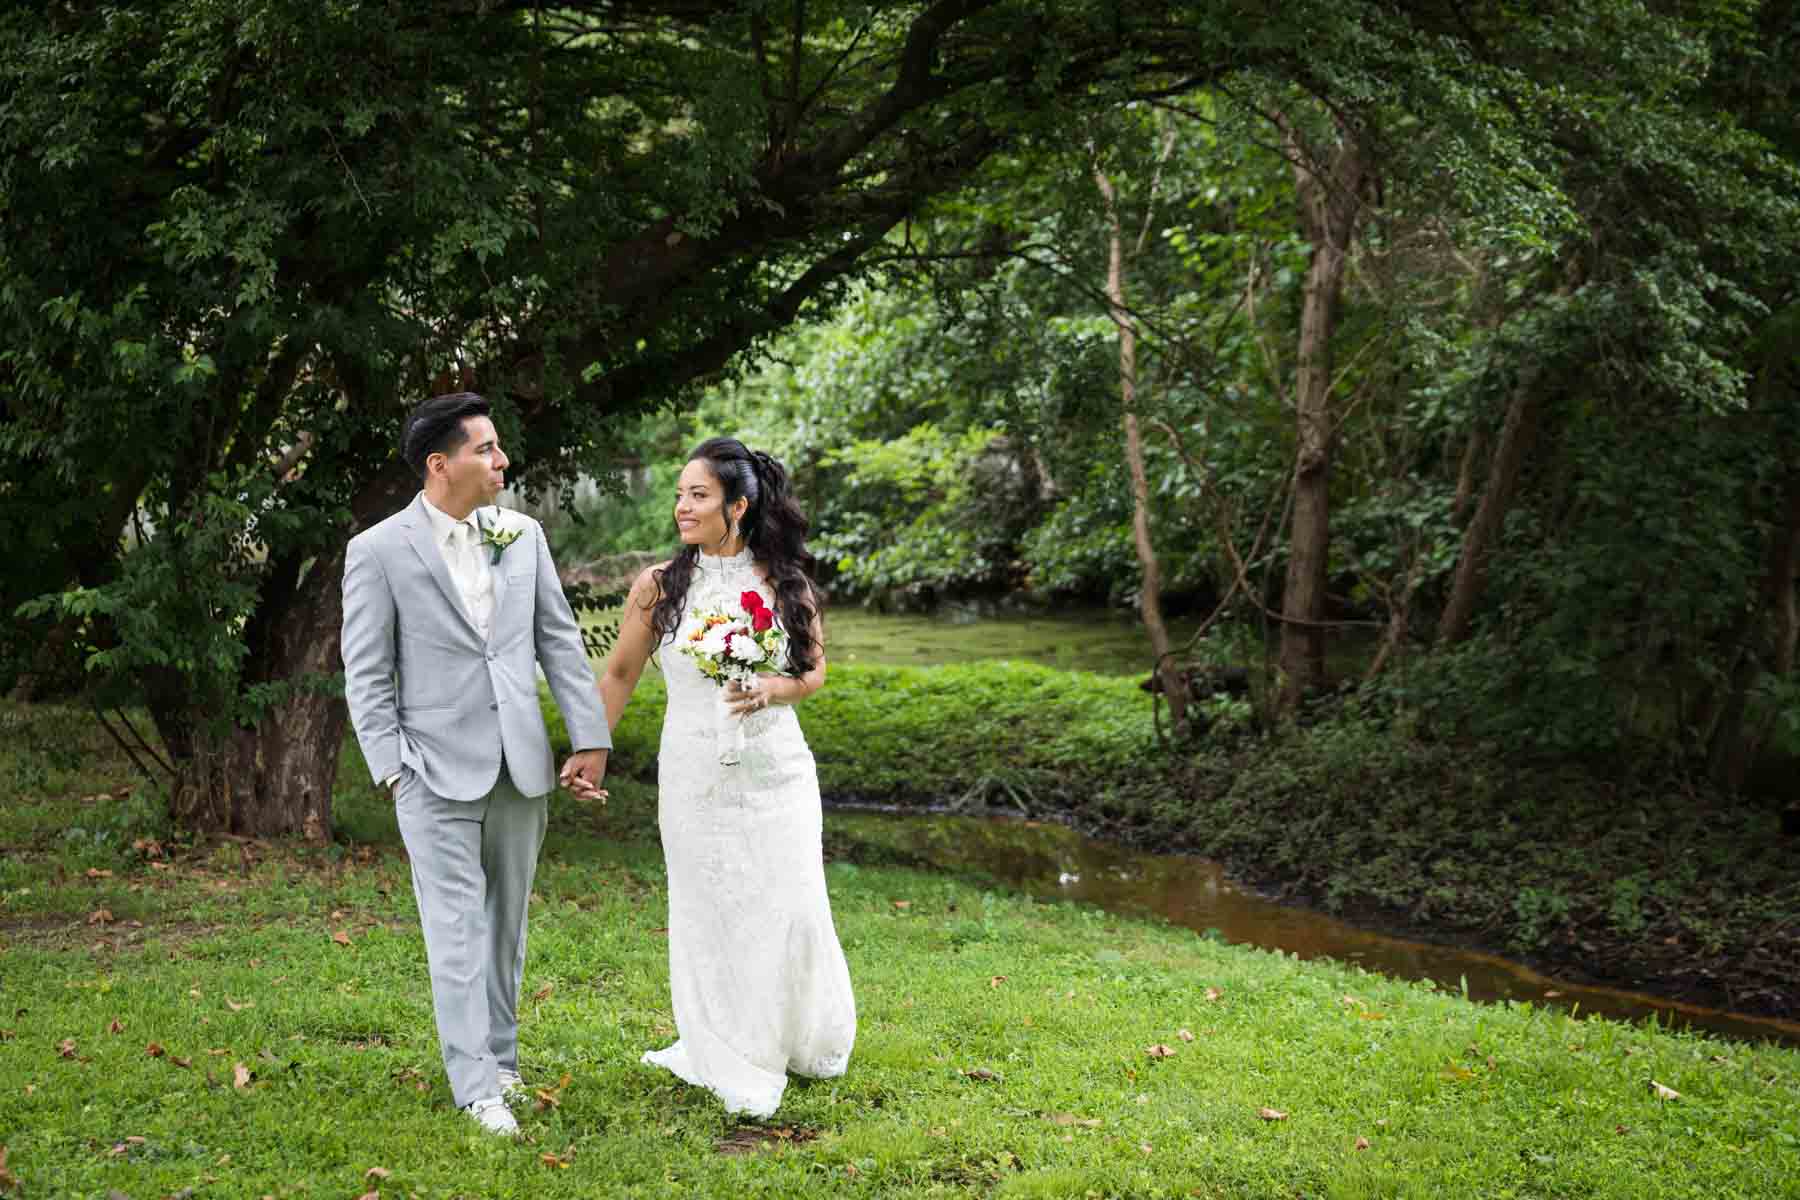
450 609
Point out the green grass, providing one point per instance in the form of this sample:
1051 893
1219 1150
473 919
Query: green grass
1002 1046
1633 884
1104 641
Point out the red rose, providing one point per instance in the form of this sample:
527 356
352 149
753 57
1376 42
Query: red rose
761 619
752 602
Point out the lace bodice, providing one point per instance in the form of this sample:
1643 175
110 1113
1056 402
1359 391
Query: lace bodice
693 698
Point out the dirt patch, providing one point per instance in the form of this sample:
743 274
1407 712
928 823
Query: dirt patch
748 1139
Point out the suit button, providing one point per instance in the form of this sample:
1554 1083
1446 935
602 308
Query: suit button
493 706
492 656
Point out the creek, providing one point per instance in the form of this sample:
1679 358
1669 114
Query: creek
1047 860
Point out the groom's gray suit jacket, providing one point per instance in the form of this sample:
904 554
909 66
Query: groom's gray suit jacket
426 691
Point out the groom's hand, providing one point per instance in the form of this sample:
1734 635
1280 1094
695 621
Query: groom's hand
582 774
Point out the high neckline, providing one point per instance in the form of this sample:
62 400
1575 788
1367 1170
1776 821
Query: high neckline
719 562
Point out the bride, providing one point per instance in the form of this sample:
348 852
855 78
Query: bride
758 979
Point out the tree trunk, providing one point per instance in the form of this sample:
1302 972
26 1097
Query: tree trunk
1168 673
1465 474
1399 618
1330 204
1516 436
273 779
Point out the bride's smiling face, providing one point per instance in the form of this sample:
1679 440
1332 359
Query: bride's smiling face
700 512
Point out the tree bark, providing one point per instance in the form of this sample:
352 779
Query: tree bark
1168 673
1516 436
1330 196
273 779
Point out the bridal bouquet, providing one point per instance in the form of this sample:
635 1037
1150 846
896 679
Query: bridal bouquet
736 643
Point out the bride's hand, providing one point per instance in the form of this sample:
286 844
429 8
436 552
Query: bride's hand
745 699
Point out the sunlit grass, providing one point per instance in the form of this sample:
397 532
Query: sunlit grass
1004 1047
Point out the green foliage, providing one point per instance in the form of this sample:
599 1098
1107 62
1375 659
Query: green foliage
933 514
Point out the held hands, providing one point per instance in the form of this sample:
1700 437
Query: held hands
744 699
582 774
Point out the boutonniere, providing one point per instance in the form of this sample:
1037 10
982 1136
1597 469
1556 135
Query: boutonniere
498 538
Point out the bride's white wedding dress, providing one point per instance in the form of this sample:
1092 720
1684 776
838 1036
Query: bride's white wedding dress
758 979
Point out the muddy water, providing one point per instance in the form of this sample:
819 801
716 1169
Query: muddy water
1049 860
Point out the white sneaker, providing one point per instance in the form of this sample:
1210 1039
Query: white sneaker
512 1087
494 1116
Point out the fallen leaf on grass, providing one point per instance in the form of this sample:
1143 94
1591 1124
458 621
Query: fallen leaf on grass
98 873
1186 1035
1160 1051
155 1050
234 1006
7 1179
549 1098
1071 1119
1551 995
983 1075
1146 1147
240 1076
100 916
370 1195
117 1026
67 1048
903 904
543 993
341 937
557 1160
996 981
1213 993
1663 1091
1362 1143
1271 1114
181 1062
377 1173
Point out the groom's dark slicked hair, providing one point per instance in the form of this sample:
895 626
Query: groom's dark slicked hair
436 427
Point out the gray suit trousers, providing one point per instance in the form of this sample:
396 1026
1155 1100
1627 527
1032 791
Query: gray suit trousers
472 866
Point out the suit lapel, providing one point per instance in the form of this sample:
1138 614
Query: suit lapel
497 573
419 535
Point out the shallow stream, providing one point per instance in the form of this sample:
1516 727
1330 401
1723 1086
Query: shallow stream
1049 860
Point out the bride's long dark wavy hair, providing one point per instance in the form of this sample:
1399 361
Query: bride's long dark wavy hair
773 528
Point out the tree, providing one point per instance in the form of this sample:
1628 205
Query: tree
238 240
1332 184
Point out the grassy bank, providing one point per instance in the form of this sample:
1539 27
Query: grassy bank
249 1019
1685 894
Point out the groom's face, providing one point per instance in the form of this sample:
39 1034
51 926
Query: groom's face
475 471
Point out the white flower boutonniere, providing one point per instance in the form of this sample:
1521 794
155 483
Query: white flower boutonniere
493 535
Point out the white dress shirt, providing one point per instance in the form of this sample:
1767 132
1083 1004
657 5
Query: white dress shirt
460 544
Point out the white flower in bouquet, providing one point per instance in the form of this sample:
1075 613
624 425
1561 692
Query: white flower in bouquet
717 638
745 649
